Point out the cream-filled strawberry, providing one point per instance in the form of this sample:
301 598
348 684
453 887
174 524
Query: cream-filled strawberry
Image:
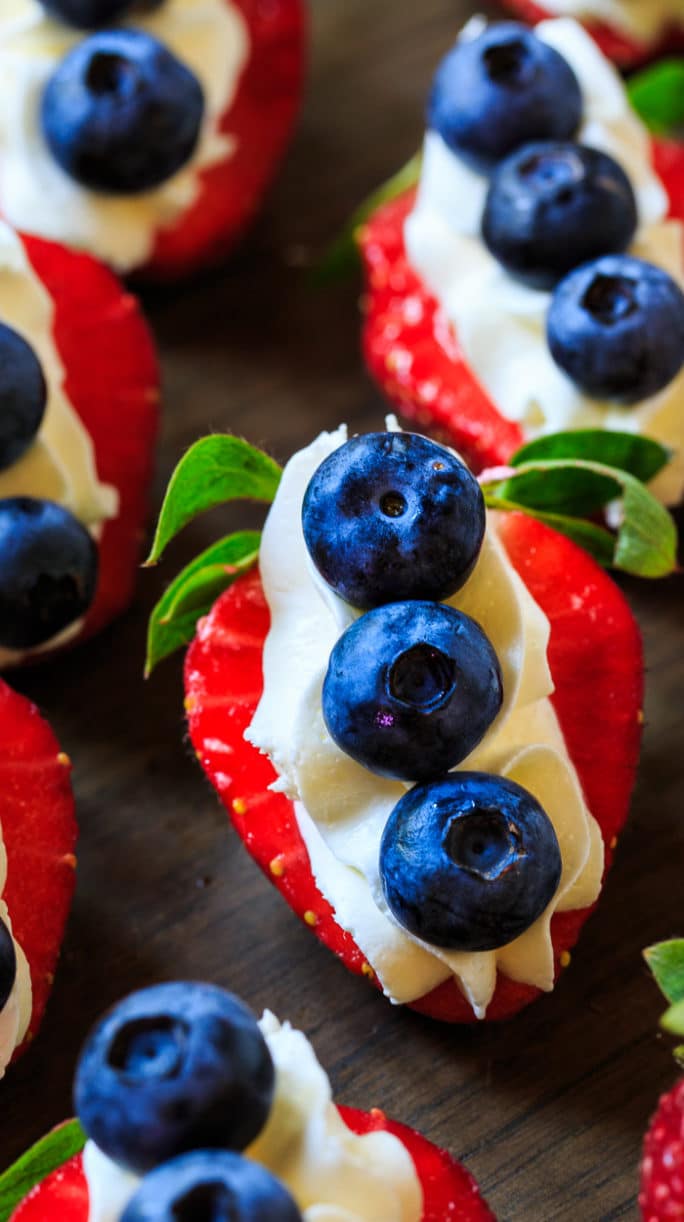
78 392
627 31
394 709
537 184
37 867
149 143
187 1103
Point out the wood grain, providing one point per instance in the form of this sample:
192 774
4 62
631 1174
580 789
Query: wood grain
548 1111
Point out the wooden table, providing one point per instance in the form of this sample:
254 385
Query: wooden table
547 1111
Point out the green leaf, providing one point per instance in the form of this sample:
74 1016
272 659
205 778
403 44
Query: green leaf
215 470
46 1156
673 1019
342 256
640 456
646 541
657 95
594 539
174 619
666 961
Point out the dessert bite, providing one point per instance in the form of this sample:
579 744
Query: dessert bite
394 711
186 1101
37 867
532 283
79 399
661 1195
151 142
627 31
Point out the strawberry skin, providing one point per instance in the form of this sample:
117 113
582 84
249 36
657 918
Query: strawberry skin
260 119
411 348
448 1189
112 381
594 637
661 1196
39 833
625 51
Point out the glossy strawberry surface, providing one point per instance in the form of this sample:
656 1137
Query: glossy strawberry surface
448 1189
595 657
39 835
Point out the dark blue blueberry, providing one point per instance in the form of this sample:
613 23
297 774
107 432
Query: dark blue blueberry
469 862
616 327
173 1068
8 964
23 395
502 89
390 516
48 571
211 1186
120 113
551 207
88 14
411 689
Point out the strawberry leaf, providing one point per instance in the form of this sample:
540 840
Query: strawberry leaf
640 456
673 1019
174 619
342 256
215 470
666 961
657 95
646 541
45 1157
596 540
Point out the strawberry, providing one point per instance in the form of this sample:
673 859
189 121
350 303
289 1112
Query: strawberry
661 1196
627 52
112 382
39 833
448 1188
223 679
412 350
260 121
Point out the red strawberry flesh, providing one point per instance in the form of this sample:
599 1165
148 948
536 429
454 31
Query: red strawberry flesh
448 1189
595 657
661 1196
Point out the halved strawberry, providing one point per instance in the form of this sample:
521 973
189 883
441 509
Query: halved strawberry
412 350
661 1193
260 121
595 657
112 381
449 1190
39 833
625 51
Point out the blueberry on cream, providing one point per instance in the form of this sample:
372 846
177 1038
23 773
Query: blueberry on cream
191 1105
88 14
104 139
342 807
500 321
23 396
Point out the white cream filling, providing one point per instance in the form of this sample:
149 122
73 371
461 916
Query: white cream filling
342 808
15 1015
209 36
60 465
500 323
334 1175
644 20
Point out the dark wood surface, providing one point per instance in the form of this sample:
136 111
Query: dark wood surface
548 1111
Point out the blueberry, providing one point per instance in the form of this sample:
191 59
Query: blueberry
469 862
616 327
502 89
8 964
120 113
390 516
211 1186
411 688
23 395
48 571
87 14
552 206
173 1068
